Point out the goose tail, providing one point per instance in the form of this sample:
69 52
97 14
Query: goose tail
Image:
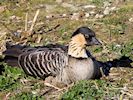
12 53
121 62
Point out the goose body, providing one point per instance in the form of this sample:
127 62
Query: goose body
80 69
66 65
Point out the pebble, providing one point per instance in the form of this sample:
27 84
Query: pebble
118 45
130 19
2 8
64 15
106 4
34 92
87 15
112 8
49 16
99 16
14 17
75 16
92 13
106 11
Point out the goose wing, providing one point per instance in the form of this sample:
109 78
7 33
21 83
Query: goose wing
43 62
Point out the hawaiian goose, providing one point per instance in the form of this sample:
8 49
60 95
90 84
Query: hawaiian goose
65 64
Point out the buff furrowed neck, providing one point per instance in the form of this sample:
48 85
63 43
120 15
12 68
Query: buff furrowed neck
77 47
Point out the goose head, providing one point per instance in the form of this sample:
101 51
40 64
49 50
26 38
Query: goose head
86 35
81 38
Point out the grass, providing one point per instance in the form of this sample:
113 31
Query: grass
20 87
114 30
92 90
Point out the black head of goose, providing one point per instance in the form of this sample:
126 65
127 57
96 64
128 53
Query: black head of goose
81 38
75 64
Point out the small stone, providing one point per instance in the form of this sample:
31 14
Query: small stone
64 15
106 11
87 15
2 8
99 16
34 92
49 16
118 45
106 4
15 18
92 13
12 17
112 8
75 16
130 19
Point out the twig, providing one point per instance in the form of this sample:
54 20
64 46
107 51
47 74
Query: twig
127 93
26 20
96 84
7 95
47 91
102 72
53 28
50 85
121 96
34 20
41 30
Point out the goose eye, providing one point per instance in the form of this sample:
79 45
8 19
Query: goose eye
87 36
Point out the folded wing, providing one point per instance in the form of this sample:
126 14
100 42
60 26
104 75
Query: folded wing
39 61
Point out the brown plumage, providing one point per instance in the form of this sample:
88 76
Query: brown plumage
65 64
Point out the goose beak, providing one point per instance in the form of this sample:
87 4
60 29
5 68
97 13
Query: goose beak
95 41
